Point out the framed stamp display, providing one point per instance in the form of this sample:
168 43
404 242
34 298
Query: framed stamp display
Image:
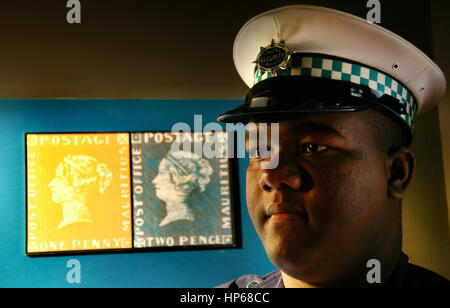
127 192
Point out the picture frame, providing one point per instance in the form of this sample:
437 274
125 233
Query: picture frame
112 192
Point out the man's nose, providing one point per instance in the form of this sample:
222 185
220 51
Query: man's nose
288 173
155 180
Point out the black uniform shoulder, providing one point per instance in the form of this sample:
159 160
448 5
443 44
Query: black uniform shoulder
407 275
419 277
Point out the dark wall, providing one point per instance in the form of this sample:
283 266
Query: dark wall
142 48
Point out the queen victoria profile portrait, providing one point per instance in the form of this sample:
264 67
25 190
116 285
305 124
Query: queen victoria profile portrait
76 178
178 176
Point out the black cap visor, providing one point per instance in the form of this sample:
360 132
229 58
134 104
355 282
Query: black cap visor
298 94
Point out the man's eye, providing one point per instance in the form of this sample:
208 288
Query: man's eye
311 148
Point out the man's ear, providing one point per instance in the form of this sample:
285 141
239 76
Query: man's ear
401 163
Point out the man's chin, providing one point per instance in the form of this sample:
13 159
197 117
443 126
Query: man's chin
286 256
291 255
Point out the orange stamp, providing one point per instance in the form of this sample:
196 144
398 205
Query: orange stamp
78 192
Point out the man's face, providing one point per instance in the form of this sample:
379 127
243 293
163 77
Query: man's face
325 207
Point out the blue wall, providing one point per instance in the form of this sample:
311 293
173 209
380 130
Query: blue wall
150 269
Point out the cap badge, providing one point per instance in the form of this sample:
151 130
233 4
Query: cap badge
273 57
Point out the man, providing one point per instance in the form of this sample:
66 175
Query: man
345 94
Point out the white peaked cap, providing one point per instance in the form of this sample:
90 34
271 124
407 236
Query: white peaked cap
318 30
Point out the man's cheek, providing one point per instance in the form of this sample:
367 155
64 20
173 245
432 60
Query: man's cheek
256 214
352 195
254 203
335 197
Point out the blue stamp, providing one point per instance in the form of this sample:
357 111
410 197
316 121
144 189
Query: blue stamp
180 197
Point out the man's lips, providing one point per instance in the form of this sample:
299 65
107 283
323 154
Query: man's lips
281 210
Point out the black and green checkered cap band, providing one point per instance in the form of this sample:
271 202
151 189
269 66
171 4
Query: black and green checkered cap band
336 69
